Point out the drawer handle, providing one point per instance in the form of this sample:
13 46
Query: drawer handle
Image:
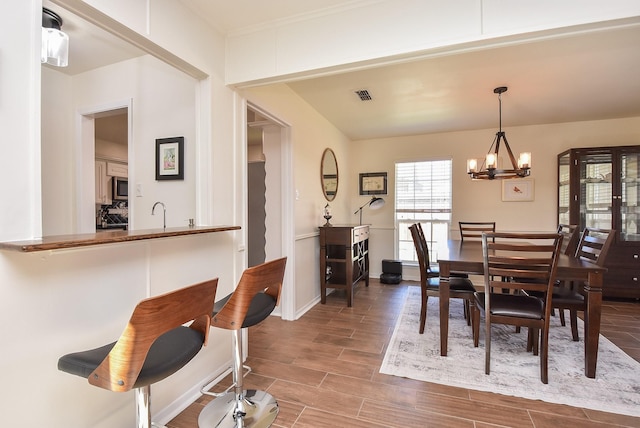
635 278
635 256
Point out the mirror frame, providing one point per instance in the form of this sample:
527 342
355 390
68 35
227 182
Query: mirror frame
327 180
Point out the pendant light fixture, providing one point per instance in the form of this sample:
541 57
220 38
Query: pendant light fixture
489 169
55 43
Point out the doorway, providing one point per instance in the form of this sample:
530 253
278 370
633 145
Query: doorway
263 189
270 224
92 154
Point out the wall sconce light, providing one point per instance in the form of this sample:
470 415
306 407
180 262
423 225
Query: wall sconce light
55 43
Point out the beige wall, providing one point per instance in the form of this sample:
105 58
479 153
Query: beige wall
481 200
311 133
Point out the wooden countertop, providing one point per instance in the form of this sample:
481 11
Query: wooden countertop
106 237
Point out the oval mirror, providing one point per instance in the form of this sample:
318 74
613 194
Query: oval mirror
329 174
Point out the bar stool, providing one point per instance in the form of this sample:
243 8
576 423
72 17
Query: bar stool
253 300
153 346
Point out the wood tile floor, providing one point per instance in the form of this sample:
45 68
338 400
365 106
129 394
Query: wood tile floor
323 371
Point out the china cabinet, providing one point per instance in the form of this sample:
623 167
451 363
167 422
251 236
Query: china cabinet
599 187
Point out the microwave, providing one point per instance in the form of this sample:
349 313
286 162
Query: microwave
120 188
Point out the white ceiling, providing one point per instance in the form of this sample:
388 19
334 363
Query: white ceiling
581 77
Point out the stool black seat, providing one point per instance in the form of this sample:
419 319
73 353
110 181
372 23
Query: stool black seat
255 297
154 345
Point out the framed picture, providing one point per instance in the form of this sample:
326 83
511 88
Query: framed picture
170 158
517 190
373 183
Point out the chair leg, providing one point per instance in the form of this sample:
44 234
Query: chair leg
239 408
475 324
487 343
467 312
544 356
423 310
143 406
573 316
562 321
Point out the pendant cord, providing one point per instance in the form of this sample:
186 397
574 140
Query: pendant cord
500 110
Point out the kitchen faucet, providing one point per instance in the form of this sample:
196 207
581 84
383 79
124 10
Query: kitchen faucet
164 213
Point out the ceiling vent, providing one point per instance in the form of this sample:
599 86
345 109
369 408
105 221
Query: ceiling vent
364 95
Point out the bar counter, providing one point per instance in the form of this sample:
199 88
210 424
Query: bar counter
106 237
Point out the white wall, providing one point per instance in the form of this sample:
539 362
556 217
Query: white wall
63 301
58 157
163 105
389 30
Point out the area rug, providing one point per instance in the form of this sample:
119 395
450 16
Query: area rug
514 371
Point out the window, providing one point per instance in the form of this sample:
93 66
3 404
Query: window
423 194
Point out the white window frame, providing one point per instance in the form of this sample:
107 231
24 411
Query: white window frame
435 214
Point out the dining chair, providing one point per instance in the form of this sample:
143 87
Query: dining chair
461 288
154 345
433 270
593 247
530 262
473 230
570 238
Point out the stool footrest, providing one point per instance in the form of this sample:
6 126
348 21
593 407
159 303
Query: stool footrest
213 382
258 407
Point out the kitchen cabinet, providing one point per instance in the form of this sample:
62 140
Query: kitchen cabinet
344 259
103 196
115 169
599 187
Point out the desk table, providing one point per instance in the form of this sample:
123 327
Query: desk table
456 256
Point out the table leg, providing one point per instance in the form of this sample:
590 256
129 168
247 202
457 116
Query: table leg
444 307
592 314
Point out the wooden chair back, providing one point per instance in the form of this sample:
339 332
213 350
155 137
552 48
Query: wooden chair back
529 260
420 245
152 318
570 238
264 278
425 247
473 230
594 245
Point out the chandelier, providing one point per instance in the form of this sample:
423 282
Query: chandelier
489 169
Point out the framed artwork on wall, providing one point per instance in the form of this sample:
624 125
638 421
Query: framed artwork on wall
373 183
517 190
170 158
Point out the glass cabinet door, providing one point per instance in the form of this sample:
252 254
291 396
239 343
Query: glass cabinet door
630 190
596 191
564 188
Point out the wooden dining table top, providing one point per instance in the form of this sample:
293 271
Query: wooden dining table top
468 257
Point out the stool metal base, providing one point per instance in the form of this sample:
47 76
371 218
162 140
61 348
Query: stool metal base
260 410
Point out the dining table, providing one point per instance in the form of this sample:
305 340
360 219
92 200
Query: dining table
466 257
